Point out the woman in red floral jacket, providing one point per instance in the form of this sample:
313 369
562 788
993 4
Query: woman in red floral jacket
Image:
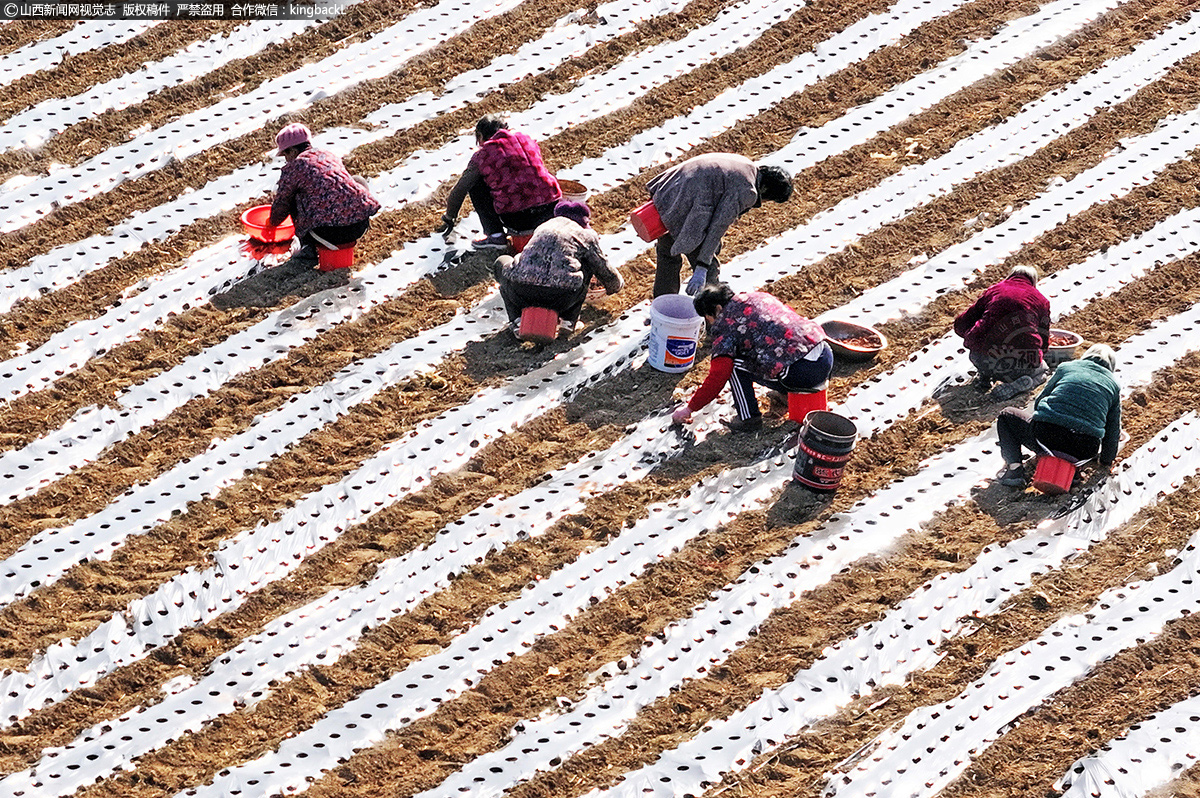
1006 332
756 338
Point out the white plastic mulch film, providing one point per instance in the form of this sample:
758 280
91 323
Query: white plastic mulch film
905 641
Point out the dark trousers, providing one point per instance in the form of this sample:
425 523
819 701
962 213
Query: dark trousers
666 272
517 221
566 302
801 376
1008 368
335 236
1016 428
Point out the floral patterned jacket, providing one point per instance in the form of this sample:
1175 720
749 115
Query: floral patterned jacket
316 191
764 334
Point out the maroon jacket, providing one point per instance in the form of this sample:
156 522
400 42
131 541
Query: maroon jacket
511 164
1012 318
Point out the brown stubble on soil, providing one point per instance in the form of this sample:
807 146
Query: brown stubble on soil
940 224
80 220
22 32
77 392
99 133
226 411
777 214
502 576
868 455
1070 722
431 410
510 465
161 349
940 554
77 73
33 322
1186 785
798 768
953 543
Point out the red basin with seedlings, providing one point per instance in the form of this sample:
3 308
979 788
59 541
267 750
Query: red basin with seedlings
1063 344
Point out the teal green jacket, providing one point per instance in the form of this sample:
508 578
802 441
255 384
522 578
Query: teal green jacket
1083 396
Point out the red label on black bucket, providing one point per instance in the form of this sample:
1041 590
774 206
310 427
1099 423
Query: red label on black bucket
826 440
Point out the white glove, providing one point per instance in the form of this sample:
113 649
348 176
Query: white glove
699 277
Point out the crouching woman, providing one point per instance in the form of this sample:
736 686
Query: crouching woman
1077 417
556 268
756 339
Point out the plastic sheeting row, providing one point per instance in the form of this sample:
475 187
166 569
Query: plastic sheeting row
775 474
271 551
910 637
84 37
1014 233
32 127
228 119
65 264
31 469
323 629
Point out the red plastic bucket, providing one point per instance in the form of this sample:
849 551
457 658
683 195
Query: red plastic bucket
646 222
517 241
539 325
254 220
1053 475
801 404
330 259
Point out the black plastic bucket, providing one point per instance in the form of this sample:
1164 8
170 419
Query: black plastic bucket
826 441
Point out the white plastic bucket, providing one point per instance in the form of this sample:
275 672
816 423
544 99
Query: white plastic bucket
674 332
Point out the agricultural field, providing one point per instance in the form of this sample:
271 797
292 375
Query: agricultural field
344 536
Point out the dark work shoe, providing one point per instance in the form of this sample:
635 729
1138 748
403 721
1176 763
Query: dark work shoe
1013 476
493 241
306 255
1007 390
744 424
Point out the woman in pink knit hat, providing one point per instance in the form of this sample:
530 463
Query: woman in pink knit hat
329 207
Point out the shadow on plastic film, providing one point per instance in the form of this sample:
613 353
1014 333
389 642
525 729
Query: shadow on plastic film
961 402
797 505
625 398
725 450
270 287
461 270
1025 506
504 355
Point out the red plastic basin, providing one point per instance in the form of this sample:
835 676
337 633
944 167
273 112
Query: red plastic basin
1053 475
254 220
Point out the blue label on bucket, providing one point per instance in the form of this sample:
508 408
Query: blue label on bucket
679 351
